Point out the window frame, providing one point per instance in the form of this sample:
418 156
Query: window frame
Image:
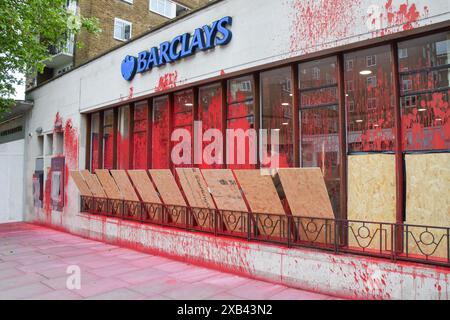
124 23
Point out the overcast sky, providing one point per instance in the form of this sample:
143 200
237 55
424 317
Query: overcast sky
20 90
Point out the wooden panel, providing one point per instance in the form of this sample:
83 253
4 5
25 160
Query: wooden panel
124 185
144 186
259 191
197 194
167 187
262 197
306 192
82 187
93 184
371 197
108 184
307 196
227 196
428 201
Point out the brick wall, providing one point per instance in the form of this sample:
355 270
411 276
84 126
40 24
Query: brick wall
137 13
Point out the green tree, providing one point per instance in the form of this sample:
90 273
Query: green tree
27 29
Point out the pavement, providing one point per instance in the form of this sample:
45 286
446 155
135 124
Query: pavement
38 263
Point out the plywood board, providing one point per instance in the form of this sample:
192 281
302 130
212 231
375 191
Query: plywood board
197 194
371 198
144 186
124 185
93 184
82 187
167 187
262 197
306 192
108 184
259 191
428 202
227 196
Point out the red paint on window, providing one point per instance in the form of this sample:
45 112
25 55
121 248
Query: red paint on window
240 116
167 81
183 119
95 125
140 135
108 139
210 113
160 133
48 193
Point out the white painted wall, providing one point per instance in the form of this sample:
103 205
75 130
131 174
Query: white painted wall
11 181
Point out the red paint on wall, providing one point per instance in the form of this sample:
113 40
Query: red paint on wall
70 153
314 22
167 81
405 17
48 193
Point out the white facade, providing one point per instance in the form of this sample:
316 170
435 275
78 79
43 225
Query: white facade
265 33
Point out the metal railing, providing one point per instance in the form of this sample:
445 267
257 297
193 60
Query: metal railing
423 244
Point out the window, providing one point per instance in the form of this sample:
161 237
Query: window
49 144
167 8
95 126
128 1
276 98
40 146
210 113
424 79
319 122
349 65
371 60
123 138
140 135
183 119
108 139
160 133
370 123
59 143
241 116
122 29
403 53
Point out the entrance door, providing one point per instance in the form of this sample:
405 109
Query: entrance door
11 181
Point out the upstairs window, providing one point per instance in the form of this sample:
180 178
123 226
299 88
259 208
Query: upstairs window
167 8
122 29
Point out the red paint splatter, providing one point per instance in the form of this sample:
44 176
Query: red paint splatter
316 22
70 153
57 124
405 18
222 72
160 134
48 193
167 81
130 93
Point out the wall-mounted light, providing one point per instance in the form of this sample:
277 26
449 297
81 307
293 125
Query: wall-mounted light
359 121
422 110
285 123
285 104
189 104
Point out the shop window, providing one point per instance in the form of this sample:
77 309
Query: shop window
108 139
319 123
210 114
349 65
95 126
240 119
123 138
371 124
160 133
140 135
425 82
276 94
183 119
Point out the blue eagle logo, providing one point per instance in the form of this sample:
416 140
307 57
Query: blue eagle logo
128 68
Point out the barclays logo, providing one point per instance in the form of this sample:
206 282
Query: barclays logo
203 39
128 68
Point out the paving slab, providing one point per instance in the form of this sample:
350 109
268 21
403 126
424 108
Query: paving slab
34 262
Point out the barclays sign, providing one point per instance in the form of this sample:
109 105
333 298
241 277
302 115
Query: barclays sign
205 38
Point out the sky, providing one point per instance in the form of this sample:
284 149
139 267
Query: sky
20 90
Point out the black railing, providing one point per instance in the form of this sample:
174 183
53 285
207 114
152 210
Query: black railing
423 244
